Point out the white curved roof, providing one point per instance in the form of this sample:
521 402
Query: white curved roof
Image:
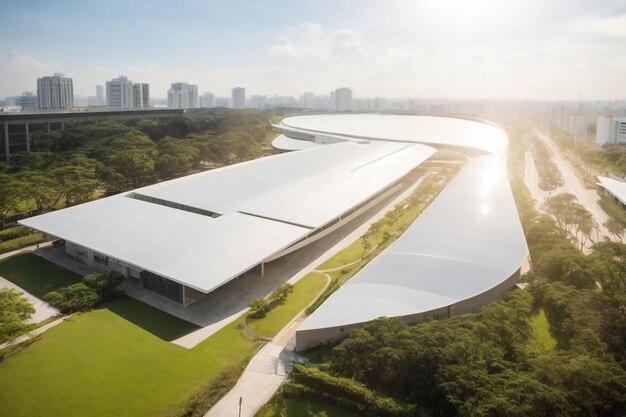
420 129
465 243
617 188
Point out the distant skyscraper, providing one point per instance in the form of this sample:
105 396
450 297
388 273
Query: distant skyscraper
121 93
308 101
55 92
27 101
99 95
343 99
182 96
238 98
333 101
141 96
207 100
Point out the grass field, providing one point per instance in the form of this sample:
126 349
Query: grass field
301 408
304 292
162 325
116 360
99 364
36 275
541 338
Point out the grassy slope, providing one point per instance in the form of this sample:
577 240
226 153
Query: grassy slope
301 408
541 338
304 291
36 275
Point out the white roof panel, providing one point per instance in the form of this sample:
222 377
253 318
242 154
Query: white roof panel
466 242
198 251
420 129
309 187
617 188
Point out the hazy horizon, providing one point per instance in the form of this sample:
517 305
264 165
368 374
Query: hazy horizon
518 50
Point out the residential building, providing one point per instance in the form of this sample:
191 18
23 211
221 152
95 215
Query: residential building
238 98
206 100
182 96
343 99
610 130
27 101
55 92
141 96
119 93
307 101
99 95
123 94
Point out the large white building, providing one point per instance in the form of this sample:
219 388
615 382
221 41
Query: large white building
27 101
207 100
122 93
55 92
610 130
182 96
343 99
190 236
238 98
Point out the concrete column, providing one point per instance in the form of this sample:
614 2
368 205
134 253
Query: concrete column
6 141
27 137
262 269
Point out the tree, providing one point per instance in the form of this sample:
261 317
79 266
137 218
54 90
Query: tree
14 311
76 297
616 228
365 243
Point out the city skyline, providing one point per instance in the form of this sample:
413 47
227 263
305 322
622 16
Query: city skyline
483 50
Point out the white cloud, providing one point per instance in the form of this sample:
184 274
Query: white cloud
608 26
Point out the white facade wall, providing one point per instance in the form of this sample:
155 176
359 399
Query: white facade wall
182 96
55 92
119 93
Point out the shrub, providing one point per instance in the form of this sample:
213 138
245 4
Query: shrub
104 284
259 308
76 297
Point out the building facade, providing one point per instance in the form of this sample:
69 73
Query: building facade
238 98
27 101
182 96
206 100
343 99
611 130
55 92
122 93
99 95
141 96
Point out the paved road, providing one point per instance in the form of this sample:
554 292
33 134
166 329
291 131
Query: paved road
574 185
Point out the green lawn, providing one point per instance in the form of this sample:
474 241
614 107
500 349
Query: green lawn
155 321
304 292
302 408
99 364
14 230
36 275
115 360
541 338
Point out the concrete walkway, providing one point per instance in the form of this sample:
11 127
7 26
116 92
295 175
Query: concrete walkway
43 310
34 333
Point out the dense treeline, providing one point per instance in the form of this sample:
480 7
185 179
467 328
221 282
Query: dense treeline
488 364
78 164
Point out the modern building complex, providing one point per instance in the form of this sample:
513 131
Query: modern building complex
611 130
182 96
238 98
343 99
121 93
55 92
466 249
190 236
27 101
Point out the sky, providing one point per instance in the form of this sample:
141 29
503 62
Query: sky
455 49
